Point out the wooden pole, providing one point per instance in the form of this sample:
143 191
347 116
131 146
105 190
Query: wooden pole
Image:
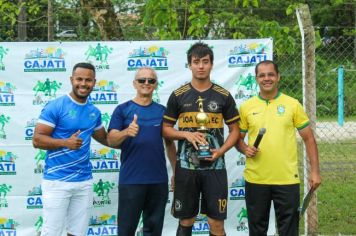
309 101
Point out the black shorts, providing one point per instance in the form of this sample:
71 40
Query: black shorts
189 184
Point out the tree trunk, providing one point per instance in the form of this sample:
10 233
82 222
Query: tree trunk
104 16
22 25
50 21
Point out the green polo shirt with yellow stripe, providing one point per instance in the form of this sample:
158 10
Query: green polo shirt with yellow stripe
276 162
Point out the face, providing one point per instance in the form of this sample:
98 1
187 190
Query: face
267 79
201 67
145 82
83 82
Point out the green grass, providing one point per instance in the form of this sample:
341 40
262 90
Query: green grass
334 118
336 201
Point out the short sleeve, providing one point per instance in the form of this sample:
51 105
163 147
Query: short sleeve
301 119
49 114
117 119
230 112
243 119
172 111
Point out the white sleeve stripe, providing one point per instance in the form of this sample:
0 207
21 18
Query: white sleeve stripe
46 123
99 127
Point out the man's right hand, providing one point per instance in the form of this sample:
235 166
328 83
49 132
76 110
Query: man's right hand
133 128
195 138
74 142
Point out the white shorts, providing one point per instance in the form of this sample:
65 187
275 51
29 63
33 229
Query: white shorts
66 204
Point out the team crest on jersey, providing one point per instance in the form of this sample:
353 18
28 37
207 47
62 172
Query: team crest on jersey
281 109
213 106
92 116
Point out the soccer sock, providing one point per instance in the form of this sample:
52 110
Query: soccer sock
184 230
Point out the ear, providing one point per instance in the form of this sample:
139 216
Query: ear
134 84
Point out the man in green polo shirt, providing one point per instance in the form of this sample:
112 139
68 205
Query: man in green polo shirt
271 172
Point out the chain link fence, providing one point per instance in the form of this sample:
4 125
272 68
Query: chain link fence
335 130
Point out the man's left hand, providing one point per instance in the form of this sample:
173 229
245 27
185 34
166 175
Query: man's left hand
216 153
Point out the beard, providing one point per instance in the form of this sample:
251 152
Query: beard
81 96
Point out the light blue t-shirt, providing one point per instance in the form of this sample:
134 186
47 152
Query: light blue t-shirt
67 116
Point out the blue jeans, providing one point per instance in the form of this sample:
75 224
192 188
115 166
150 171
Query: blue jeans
148 199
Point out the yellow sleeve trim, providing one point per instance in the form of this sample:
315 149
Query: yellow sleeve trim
169 118
233 119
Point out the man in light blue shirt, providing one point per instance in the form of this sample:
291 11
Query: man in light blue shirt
64 129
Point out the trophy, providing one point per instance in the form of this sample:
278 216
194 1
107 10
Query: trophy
202 120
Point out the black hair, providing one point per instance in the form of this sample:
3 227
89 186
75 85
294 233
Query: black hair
267 62
199 50
84 65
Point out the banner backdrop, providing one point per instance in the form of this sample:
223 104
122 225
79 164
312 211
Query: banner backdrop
33 73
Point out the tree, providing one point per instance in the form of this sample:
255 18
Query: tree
103 14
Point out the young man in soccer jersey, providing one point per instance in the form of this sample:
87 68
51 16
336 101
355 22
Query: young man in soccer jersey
193 176
136 128
64 129
271 172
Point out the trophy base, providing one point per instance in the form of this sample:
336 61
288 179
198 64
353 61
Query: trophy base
204 152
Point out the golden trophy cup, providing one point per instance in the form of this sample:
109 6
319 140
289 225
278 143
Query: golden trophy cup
202 120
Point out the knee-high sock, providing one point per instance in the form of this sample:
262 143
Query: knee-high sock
184 230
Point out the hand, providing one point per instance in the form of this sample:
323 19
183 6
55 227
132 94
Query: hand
73 142
133 128
195 138
314 181
250 151
216 153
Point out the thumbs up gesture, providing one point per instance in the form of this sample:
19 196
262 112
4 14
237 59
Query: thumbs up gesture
74 142
133 128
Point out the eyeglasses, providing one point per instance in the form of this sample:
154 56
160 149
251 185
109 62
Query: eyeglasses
143 80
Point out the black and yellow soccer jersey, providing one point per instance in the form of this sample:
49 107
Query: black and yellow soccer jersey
182 107
277 161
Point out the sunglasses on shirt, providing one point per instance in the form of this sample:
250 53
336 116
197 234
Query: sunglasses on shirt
143 80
